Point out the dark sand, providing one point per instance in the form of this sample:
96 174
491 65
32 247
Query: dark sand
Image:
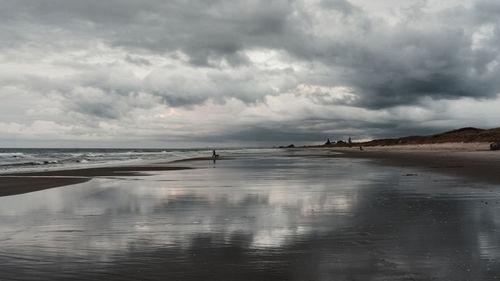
201 159
18 183
471 161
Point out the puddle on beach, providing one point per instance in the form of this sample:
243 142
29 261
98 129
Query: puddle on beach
258 217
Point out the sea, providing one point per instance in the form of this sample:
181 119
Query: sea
44 159
257 214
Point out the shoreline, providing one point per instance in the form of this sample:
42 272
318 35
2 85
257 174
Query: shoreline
472 161
25 182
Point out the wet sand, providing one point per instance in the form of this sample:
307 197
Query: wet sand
473 161
200 159
19 183
277 215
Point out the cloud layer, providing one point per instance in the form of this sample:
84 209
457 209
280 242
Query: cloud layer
158 73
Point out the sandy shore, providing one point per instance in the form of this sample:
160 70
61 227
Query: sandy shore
471 160
18 183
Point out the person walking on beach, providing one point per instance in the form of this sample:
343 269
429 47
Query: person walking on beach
214 155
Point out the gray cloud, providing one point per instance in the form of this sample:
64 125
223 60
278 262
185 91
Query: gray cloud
343 6
387 65
109 60
315 131
137 60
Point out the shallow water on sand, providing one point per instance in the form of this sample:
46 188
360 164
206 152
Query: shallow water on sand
267 216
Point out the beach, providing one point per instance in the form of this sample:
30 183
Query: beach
270 214
473 161
18 183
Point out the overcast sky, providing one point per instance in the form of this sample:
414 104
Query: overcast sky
180 73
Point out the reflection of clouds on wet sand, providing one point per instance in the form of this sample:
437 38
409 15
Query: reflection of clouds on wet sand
111 214
284 214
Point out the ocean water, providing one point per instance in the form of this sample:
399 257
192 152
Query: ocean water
260 215
36 159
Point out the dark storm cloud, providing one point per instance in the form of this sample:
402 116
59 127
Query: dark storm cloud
205 30
400 64
440 64
387 65
487 11
314 130
269 134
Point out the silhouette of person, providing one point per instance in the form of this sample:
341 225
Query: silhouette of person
214 156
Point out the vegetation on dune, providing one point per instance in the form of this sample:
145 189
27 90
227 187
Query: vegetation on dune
463 135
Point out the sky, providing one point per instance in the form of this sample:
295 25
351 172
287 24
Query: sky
185 73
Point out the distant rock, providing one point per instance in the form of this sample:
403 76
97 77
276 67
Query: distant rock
495 146
288 146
